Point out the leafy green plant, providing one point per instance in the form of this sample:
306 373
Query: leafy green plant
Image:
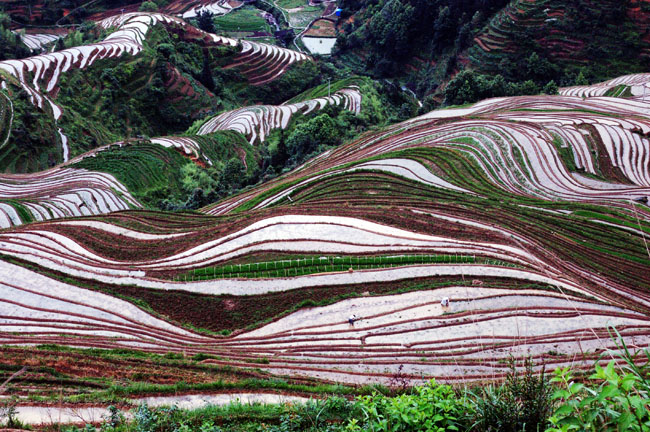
614 398
145 418
113 419
148 6
431 408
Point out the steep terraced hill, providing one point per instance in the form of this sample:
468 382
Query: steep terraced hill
144 78
529 213
257 121
123 176
567 35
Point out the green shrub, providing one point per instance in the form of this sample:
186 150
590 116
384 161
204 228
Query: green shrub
430 408
614 398
148 6
522 403
550 88
469 87
318 131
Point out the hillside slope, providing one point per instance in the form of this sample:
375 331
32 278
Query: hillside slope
425 43
148 77
604 38
186 206
526 212
66 12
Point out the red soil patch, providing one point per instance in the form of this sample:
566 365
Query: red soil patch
322 28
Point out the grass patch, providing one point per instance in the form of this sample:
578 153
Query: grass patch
566 153
243 19
620 91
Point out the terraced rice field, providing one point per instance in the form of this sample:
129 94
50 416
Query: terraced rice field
542 147
36 41
301 17
528 307
262 63
39 75
60 193
548 24
322 28
84 186
187 145
319 45
635 84
465 343
218 8
256 122
529 213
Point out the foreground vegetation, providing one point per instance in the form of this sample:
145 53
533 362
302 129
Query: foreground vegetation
611 398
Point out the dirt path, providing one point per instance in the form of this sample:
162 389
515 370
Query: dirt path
46 415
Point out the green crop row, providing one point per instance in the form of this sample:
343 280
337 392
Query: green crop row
24 214
620 91
312 265
149 171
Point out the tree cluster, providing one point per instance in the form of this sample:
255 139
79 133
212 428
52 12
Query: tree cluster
11 46
469 86
395 30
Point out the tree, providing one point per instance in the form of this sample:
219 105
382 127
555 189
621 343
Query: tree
464 36
444 26
539 69
499 86
341 41
389 30
528 88
206 73
461 89
60 45
74 39
280 155
428 104
205 22
469 86
5 21
581 80
148 6
307 137
233 175
193 177
550 88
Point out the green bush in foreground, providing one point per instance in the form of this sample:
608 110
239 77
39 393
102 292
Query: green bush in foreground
612 399
522 403
616 404
431 408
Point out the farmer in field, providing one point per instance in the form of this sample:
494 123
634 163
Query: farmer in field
445 303
352 318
